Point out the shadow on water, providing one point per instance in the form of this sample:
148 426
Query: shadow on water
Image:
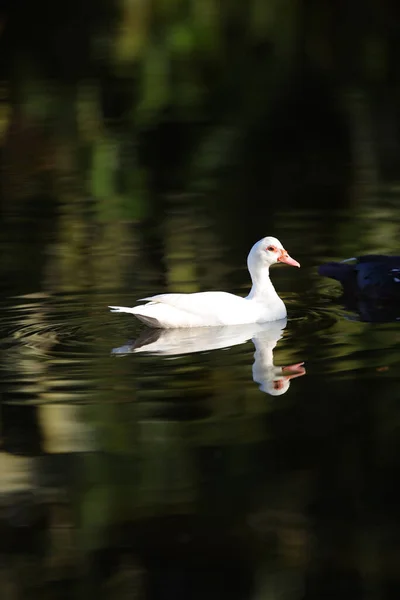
271 379
370 311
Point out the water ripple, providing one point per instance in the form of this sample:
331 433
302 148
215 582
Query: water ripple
58 348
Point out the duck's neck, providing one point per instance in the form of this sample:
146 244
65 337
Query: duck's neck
262 288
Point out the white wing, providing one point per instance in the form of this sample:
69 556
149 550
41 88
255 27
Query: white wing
217 305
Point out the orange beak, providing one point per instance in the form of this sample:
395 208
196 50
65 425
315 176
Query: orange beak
288 260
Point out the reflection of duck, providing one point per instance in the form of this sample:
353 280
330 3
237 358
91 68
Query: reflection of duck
168 342
206 309
371 285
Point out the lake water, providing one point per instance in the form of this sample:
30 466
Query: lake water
224 468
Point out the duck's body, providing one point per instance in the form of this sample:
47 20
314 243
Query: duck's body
202 309
374 276
208 309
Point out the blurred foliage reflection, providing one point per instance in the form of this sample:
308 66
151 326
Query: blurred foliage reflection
144 147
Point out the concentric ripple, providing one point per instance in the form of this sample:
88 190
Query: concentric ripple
60 348
52 346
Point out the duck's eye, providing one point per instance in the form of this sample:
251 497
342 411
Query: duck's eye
271 249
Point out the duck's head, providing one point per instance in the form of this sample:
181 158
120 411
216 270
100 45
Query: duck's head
269 251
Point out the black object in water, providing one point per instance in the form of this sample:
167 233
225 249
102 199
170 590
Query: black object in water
371 285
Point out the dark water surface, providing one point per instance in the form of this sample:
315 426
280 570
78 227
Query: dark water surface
206 472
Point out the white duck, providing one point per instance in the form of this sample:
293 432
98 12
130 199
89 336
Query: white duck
206 309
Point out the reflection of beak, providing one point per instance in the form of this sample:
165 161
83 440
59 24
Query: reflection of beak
293 371
278 384
288 260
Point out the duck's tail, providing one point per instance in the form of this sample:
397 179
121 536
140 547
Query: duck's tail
140 312
122 309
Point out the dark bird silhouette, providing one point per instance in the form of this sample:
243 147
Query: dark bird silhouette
371 285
